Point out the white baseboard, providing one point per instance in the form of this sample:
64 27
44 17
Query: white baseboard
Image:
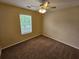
62 42
20 42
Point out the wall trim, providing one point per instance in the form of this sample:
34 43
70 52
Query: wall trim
20 42
0 53
62 42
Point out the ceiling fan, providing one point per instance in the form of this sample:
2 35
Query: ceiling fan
44 6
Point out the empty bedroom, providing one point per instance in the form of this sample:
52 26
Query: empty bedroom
39 29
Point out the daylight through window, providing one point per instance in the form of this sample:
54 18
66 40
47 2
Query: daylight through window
26 24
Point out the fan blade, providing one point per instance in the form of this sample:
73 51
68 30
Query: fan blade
52 7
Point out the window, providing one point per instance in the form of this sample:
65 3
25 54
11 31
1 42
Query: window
26 24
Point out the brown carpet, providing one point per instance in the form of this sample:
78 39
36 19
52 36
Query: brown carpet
40 47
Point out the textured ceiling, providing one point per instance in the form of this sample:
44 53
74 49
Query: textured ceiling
34 4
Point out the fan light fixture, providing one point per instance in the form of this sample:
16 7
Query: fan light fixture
43 7
42 10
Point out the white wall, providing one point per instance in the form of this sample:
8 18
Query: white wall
63 26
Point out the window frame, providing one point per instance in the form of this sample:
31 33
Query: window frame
21 26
